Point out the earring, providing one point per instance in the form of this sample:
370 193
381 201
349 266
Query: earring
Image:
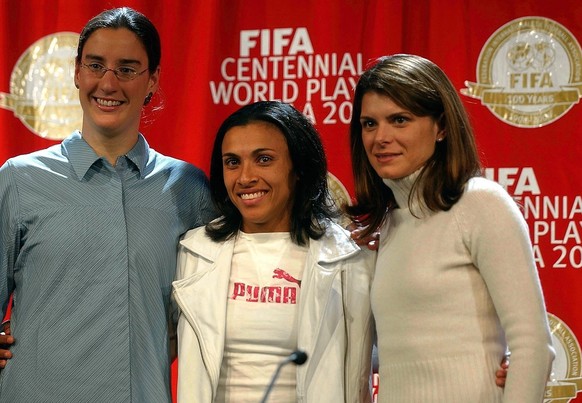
439 139
148 99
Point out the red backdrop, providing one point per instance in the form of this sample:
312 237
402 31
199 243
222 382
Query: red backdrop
218 55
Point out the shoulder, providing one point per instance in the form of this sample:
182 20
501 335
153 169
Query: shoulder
335 234
193 236
177 171
341 250
336 244
486 204
174 164
28 163
485 193
35 157
483 185
197 242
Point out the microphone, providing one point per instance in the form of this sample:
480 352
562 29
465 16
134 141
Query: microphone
298 357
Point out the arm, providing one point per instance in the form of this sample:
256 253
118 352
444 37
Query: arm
9 249
174 312
501 374
174 309
5 341
501 249
173 337
201 210
356 283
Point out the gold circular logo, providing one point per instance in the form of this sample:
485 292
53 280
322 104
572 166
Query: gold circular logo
566 380
42 90
339 195
529 73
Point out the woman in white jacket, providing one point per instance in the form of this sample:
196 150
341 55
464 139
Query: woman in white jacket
273 274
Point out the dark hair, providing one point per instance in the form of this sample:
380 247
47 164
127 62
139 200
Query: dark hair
136 22
312 202
421 87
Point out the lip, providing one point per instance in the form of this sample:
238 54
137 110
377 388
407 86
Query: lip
105 103
251 197
386 157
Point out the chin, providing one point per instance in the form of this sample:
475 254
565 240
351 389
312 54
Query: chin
389 175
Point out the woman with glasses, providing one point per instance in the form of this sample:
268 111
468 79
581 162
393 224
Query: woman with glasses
113 88
88 235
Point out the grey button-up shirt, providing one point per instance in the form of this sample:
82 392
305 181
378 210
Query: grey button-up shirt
89 252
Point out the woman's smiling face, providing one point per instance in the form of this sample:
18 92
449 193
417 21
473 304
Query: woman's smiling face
111 106
259 177
396 141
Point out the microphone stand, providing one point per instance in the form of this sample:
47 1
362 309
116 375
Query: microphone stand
297 357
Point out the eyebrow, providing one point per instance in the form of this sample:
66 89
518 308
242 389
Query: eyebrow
120 61
254 152
398 113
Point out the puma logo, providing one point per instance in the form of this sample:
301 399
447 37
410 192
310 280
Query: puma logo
282 274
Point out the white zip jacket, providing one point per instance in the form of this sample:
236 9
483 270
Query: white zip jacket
335 320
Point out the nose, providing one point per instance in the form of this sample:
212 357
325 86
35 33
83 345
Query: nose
109 80
247 175
384 134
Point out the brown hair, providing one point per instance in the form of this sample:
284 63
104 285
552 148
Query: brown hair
421 87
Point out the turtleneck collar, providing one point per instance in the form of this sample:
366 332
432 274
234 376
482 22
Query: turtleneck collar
401 189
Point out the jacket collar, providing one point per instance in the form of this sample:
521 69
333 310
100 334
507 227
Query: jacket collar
333 246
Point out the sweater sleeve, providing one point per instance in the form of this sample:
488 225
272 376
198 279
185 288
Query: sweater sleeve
496 235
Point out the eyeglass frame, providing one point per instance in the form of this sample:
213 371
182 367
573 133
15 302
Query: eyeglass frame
100 73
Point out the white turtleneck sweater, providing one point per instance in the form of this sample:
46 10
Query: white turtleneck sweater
452 289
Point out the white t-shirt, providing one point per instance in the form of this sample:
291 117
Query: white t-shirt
261 318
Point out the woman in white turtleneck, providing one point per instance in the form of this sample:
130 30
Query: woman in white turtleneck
455 284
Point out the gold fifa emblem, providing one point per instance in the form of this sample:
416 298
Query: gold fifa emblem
42 91
339 195
529 72
566 378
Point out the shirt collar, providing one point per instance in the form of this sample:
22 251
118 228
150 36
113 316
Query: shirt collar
82 156
139 155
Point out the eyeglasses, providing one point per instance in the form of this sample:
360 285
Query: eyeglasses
122 73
